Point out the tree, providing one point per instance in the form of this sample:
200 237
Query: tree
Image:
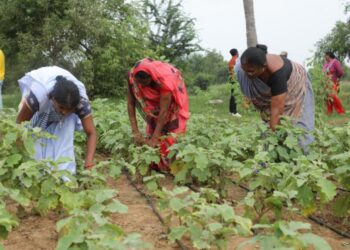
209 67
98 41
338 40
172 33
252 39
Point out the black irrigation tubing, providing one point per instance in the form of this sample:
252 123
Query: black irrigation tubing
312 218
343 190
150 203
324 224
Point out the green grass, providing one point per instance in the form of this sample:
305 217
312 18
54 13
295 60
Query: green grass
199 103
11 98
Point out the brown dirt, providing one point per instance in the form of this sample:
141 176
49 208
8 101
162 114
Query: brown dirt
33 233
38 233
335 241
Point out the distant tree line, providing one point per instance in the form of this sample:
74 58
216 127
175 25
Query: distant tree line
99 41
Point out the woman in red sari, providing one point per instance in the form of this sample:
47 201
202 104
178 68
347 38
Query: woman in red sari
158 91
334 71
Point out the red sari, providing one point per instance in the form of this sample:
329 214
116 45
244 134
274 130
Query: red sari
166 79
334 72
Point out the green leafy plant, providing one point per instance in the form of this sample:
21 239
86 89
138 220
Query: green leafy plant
286 235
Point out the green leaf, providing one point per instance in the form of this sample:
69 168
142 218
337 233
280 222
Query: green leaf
201 174
291 229
176 204
103 195
214 227
201 161
327 190
3 232
48 186
18 197
305 196
47 203
179 190
282 152
110 229
226 212
29 145
152 185
13 159
75 236
99 219
69 199
291 142
10 138
180 177
313 240
176 233
116 207
341 206
115 171
271 242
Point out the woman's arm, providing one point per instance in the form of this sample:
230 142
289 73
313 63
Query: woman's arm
90 131
277 109
138 138
131 112
25 113
165 101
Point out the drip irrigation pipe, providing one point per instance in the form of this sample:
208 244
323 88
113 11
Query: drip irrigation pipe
324 224
312 218
150 203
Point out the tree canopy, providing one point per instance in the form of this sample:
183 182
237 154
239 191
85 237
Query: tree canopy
337 41
96 40
172 33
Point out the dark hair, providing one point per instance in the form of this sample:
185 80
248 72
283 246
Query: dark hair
233 52
254 56
263 47
142 75
330 54
65 93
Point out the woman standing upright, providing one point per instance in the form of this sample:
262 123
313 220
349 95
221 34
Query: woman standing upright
334 71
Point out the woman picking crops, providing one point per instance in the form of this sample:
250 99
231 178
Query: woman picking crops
55 101
277 86
158 91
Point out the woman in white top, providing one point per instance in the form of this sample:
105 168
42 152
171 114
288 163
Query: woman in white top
54 100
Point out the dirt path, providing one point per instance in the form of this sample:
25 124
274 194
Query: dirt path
335 241
38 233
140 217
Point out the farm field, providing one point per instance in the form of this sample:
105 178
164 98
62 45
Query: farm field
227 185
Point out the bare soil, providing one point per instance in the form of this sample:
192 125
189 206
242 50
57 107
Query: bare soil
38 233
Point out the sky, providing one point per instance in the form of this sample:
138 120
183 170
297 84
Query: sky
294 26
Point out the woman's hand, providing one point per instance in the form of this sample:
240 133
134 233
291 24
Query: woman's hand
138 138
153 142
89 165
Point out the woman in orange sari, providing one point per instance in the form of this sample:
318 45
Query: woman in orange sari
158 91
334 71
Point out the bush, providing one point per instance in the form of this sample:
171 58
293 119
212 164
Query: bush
203 80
